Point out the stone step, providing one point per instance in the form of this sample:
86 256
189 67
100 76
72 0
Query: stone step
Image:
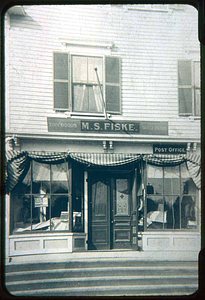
101 272
100 281
157 290
84 263
102 277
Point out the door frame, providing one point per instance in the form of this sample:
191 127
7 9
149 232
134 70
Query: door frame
114 173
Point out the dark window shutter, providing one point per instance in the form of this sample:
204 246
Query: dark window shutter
113 84
61 81
185 87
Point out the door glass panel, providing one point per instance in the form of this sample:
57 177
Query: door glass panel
99 196
122 197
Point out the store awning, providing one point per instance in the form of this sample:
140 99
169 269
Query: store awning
18 162
194 167
105 159
164 160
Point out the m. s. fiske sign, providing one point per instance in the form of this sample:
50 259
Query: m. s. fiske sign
109 126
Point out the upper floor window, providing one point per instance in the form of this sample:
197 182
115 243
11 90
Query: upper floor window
189 88
86 84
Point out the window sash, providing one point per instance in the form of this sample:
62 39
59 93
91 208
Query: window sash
189 88
110 84
40 215
163 195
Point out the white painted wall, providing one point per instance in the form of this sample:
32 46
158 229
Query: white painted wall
149 41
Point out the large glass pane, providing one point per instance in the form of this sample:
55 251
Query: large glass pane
197 102
122 197
172 212
184 72
188 212
171 181
154 180
197 74
41 178
99 199
40 213
60 212
93 64
187 184
59 175
21 213
80 69
155 212
87 99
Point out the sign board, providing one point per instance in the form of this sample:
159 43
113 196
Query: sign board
107 126
41 202
169 149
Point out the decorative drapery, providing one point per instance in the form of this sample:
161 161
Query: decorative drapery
105 159
18 162
164 160
194 167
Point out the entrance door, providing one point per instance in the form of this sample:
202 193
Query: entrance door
110 211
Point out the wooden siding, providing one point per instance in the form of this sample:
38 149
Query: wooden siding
149 42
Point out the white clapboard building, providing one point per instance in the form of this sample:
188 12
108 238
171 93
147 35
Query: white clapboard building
102 106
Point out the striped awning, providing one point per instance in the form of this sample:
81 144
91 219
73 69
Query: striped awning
194 167
18 162
164 160
105 159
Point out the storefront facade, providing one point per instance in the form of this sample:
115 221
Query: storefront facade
100 169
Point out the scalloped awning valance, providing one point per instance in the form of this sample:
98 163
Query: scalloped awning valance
18 162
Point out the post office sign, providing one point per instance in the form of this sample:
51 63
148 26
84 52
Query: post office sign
169 148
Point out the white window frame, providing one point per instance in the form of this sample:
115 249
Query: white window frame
73 113
69 110
192 87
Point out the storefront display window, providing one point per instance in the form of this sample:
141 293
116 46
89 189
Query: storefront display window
171 198
41 200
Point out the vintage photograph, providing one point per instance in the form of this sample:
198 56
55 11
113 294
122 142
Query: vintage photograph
103 150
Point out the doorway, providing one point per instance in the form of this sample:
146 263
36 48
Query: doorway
112 220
